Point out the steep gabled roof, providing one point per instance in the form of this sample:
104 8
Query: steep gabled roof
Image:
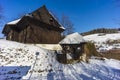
74 38
39 15
45 16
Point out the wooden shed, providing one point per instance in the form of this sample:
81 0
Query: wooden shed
38 27
73 47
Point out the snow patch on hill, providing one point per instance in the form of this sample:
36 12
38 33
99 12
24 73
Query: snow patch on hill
100 40
19 61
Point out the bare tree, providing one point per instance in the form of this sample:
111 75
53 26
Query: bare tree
66 22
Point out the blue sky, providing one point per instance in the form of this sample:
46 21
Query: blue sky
85 14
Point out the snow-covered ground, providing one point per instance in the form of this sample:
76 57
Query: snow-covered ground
30 62
103 38
100 40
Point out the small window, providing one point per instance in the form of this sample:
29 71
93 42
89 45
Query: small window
51 19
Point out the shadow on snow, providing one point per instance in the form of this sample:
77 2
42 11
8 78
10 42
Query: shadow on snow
13 72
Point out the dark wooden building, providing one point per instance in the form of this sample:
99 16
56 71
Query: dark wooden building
38 27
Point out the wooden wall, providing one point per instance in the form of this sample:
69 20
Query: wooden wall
9 36
35 34
43 35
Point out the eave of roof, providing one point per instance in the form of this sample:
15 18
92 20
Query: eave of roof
13 22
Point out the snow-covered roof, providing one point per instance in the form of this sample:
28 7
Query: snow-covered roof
14 22
17 20
74 38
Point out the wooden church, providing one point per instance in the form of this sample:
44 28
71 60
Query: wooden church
38 27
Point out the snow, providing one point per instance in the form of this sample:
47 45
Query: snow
74 38
113 63
101 39
50 46
14 22
19 62
30 15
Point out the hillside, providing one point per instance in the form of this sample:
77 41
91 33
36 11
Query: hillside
106 44
102 37
101 30
20 61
